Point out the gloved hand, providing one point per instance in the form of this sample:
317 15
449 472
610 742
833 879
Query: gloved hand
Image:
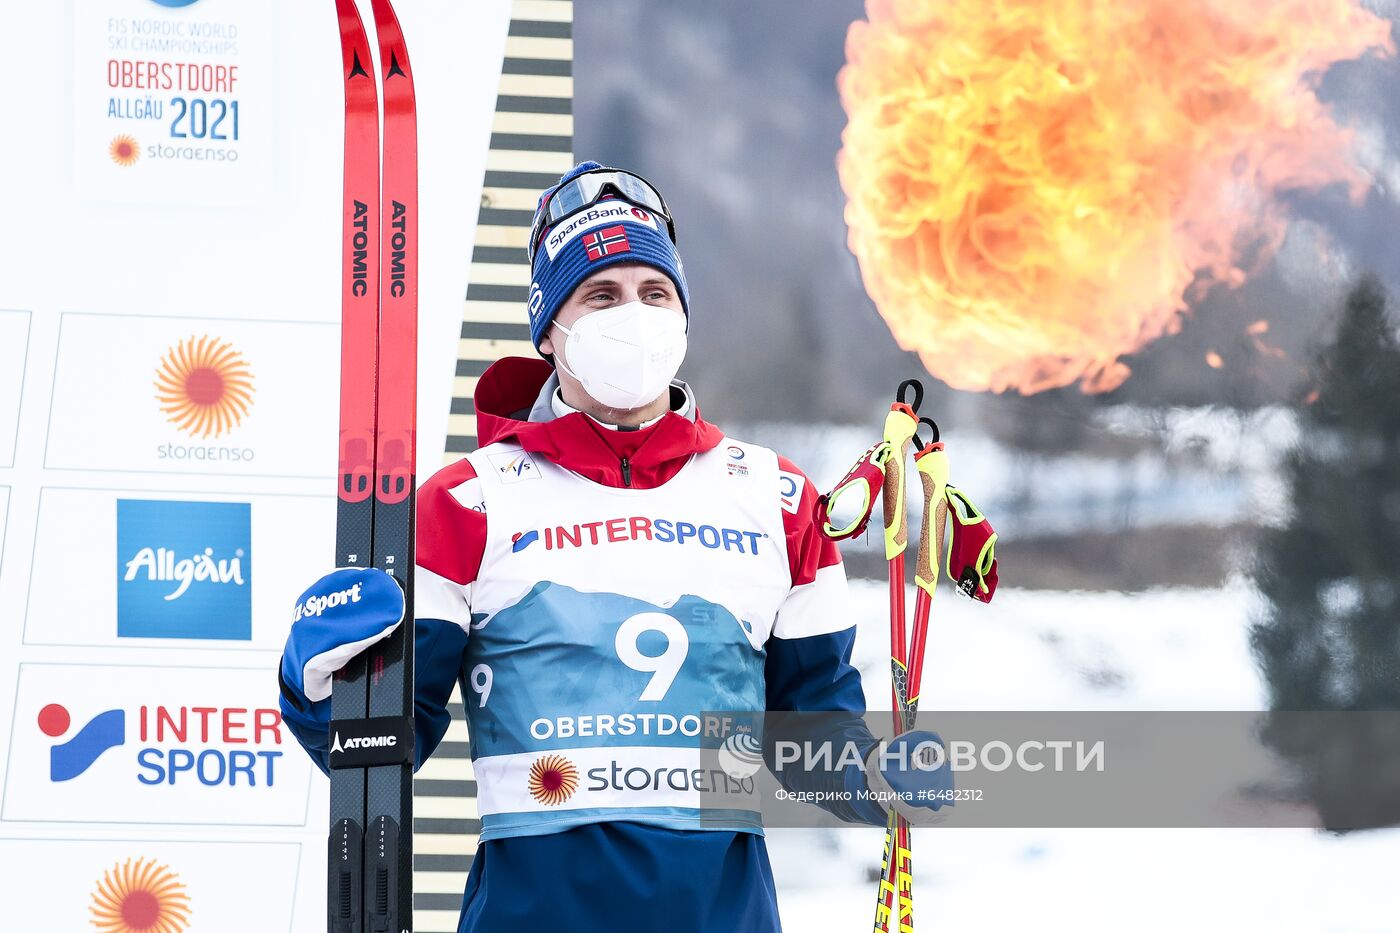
341 615
914 775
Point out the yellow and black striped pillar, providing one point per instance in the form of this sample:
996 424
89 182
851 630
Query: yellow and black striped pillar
531 146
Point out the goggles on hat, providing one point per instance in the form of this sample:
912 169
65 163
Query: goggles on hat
585 190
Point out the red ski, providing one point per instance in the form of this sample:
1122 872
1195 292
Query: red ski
371 837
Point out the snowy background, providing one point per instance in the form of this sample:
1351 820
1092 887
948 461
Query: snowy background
1159 648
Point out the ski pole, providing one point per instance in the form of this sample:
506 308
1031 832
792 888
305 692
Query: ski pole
901 424
931 462
898 881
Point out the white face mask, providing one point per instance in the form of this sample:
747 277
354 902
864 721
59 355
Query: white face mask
625 356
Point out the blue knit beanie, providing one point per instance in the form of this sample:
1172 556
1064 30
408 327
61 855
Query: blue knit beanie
607 233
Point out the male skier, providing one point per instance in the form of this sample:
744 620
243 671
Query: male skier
604 569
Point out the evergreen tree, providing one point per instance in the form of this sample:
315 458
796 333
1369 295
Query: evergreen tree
1329 638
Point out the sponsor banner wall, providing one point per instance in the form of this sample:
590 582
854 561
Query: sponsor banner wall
169 366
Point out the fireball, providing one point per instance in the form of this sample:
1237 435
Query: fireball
1037 187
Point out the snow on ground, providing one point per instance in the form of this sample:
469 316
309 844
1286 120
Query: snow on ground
1162 650
997 881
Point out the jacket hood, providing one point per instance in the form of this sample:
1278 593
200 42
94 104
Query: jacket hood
642 459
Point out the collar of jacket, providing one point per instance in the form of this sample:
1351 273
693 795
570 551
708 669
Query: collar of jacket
514 392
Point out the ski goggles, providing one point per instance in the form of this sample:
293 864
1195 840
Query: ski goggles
588 189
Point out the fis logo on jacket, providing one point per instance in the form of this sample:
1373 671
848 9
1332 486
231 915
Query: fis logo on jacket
514 467
639 528
174 745
184 569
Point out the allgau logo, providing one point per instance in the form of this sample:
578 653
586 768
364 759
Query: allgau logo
316 605
184 569
160 565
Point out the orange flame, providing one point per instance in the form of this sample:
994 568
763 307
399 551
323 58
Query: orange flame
1033 187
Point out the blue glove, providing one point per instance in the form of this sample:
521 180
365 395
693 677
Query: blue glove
913 773
341 615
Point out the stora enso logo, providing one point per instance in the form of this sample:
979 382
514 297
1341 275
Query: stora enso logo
184 569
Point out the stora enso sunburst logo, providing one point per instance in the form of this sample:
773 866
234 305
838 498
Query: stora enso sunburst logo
124 150
553 780
204 386
140 896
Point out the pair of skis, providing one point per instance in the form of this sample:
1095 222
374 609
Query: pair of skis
370 852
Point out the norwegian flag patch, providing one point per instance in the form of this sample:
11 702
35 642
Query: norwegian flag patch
605 242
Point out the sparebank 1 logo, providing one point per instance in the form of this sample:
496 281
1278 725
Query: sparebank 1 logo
204 387
184 569
140 896
177 744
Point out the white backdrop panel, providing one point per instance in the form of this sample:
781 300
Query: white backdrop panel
108 412
79 527
147 745
224 886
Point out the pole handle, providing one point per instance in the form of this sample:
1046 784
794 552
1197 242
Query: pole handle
900 425
932 466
